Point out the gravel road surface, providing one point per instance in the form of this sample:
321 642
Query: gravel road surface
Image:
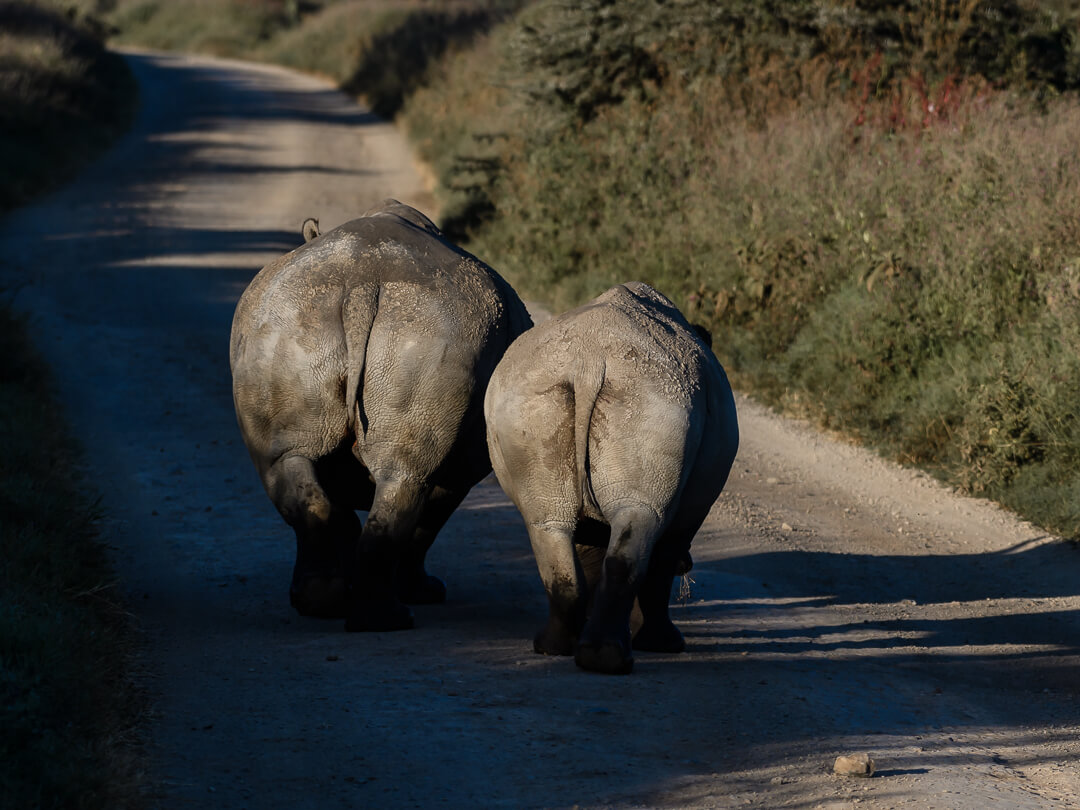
839 604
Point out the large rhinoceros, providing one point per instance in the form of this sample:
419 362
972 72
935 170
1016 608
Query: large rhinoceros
613 429
359 365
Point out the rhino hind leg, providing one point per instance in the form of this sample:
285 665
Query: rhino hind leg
670 558
415 586
374 605
657 632
325 536
605 643
564 581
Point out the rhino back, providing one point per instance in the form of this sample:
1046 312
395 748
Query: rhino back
633 331
642 389
434 311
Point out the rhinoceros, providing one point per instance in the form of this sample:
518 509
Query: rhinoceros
359 364
612 428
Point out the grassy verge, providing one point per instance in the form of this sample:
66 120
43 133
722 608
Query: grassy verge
63 97
66 708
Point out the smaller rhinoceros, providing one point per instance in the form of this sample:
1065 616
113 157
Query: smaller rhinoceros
359 365
613 429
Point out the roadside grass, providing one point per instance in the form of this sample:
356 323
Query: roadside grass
466 123
63 98
67 709
216 27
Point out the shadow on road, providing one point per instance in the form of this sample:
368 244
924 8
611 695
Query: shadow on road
245 96
1032 569
995 619
792 646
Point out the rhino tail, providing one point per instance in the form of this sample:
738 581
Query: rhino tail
357 317
587 384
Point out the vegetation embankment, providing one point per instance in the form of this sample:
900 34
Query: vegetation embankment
63 97
874 206
66 706
872 203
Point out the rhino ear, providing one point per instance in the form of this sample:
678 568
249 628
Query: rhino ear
310 229
703 333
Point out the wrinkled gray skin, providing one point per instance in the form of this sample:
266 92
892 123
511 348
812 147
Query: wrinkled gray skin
359 364
613 429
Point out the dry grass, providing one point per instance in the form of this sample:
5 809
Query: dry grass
68 712
62 97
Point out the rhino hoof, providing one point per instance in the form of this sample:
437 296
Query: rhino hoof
319 597
425 590
379 618
661 637
609 657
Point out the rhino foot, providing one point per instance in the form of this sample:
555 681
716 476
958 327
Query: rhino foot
610 657
371 617
319 596
661 636
422 590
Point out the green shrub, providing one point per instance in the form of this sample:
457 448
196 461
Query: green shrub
395 59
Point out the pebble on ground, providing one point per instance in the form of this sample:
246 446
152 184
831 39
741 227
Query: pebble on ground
854 765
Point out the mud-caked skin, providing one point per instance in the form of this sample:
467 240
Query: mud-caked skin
613 429
359 365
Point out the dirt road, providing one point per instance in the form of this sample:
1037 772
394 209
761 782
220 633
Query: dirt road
839 604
